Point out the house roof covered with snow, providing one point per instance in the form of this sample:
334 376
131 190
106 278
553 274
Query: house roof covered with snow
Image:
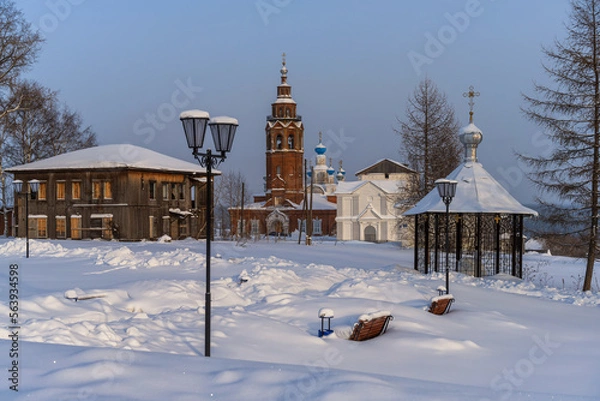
119 156
349 187
385 166
476 192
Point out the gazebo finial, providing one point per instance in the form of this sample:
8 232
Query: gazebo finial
471 94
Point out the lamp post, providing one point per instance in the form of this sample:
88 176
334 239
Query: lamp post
32 190
223 131
447 190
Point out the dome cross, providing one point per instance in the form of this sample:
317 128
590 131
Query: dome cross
471 94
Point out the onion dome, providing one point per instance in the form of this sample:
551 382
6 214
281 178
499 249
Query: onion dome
320 149
471 136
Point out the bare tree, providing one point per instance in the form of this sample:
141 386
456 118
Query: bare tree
228 193
42 127
569 111
429 134
19 46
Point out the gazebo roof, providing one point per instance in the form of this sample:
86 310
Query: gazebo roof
476 192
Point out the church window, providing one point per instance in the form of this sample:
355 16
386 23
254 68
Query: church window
278 142
280 112
278 170
317 227
291 142
287 112
254 226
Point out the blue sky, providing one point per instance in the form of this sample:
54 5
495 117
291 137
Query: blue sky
129 67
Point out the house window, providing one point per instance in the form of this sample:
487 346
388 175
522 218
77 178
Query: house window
75 227
107 190
165 191
38 226
60 190
61 227
152 190
181 192
42 191
316 228
76 190
254 226
173 191
96 189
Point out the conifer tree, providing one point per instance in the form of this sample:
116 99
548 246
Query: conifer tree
568 109
429 134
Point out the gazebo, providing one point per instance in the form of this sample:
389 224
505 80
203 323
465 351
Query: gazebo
485 226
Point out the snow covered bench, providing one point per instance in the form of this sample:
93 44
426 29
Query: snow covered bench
441 305
371 325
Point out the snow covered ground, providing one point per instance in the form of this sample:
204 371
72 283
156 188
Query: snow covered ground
140 335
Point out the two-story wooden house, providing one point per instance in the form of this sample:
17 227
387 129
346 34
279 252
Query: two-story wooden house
120 192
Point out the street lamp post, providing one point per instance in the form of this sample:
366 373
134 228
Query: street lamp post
32 190
447 191
223 131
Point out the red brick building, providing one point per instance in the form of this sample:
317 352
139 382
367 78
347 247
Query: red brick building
280 210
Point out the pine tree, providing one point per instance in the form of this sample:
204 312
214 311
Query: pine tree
568 109
429 134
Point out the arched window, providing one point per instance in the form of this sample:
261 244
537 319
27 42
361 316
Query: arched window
279 142
287 112
278 170
269 144
291 142
280 112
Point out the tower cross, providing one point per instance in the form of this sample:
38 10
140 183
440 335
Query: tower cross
471 94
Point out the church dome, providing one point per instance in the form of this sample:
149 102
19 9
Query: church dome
471 136
330 170
320 149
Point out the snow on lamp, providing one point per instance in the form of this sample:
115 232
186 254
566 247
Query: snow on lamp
223 132
194 126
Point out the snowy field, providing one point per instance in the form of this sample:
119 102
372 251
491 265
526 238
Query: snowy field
141 334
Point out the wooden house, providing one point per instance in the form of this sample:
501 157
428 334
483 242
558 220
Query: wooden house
122 192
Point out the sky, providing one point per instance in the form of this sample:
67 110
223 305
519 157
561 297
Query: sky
130 67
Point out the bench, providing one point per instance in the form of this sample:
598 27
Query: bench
371 325
441 305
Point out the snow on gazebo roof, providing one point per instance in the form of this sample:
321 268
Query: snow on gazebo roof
476 192
122 156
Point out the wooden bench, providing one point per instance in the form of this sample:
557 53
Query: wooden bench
441 305
371 325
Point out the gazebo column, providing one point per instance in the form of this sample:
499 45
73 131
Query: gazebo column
458 236
514 246
416 261
520 247
437 243
426 253
497 219
478 246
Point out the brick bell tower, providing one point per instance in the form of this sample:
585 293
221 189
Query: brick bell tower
285 148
